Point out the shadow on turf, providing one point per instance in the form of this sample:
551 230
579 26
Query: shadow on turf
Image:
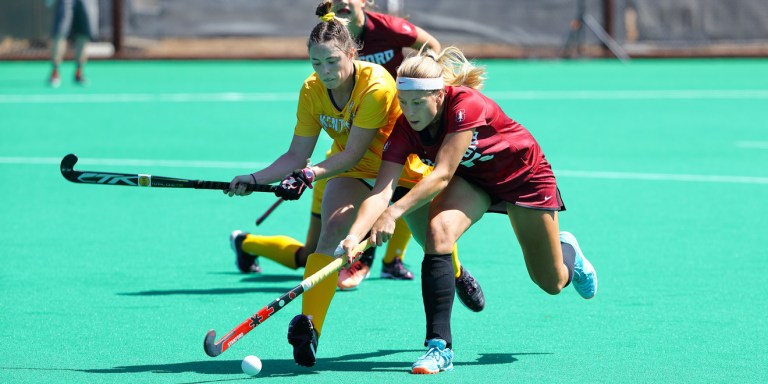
214 291
286 367
256 278
263 278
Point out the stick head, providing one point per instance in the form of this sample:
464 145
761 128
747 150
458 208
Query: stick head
68 166
211 348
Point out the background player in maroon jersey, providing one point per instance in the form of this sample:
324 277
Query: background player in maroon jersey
483 162
382 37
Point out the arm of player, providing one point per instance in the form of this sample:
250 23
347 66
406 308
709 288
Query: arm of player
295 158
422 38
358 142
446 162
370 210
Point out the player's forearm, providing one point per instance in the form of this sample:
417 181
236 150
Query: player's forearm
424 191
369 211
281 167
336 164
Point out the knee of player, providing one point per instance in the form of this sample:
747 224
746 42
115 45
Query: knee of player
441 231
551 286
439 243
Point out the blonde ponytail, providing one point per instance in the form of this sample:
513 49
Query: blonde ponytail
450 64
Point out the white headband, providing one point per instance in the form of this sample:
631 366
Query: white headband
418 84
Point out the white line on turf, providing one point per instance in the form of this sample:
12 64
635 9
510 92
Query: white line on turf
752 144
224 97
662 177
247 165
632 94
237 97
136 162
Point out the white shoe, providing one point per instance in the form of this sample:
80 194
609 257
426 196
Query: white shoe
584 274
437 359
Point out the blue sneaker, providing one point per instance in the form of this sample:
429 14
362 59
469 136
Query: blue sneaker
584 274
438 358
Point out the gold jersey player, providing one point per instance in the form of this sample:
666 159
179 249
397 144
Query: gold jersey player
381 39
354 102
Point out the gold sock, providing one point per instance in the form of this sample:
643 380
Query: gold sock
398 243
456 262
281 249
317 300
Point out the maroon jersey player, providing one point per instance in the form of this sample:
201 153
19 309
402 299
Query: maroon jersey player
502 157
483 162
382 37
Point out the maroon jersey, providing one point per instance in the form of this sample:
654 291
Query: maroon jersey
502 156
383 39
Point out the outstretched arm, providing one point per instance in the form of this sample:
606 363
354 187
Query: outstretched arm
371 209
447 160
296 157
357 144
422 38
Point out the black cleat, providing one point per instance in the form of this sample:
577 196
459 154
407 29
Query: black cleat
396 270
469 291
303 337
245 262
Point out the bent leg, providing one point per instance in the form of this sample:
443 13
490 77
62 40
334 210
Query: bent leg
313 232
340 203
538 233
454 210
281 249
341 200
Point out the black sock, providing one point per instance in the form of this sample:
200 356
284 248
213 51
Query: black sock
569 258
367 256
296 258
438 288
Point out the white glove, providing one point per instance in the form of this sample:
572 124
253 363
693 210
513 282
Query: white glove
340 251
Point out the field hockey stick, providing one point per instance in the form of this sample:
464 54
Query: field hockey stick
143 180
214 348
269 211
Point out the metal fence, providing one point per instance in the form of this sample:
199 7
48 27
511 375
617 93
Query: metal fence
483 28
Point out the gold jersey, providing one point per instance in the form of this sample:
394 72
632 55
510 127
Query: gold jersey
372 105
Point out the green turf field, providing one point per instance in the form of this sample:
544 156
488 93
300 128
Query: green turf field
662 165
